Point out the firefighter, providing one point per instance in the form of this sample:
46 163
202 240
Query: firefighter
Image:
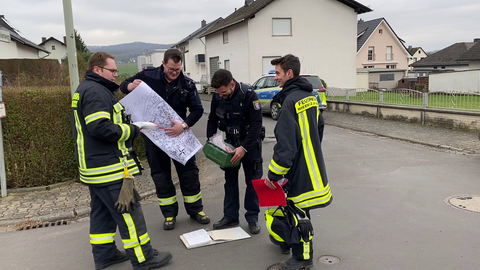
298 157
180 93
103 139
235 110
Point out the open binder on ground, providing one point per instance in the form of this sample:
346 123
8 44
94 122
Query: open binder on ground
202 237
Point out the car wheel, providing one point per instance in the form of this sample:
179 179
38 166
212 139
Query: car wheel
275 110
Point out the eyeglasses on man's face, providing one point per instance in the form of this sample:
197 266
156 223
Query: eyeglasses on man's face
114 71
174 70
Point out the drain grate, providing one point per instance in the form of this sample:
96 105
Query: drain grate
469 203
327 259
30 225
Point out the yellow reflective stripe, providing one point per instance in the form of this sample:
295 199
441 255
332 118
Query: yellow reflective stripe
132 231
106 178
130 243
277 169
167 201
80 142
125 135
312 203
107 169
312 194
118 107
192 199
95 116
309 152
104 238
306 250
264 100
144 239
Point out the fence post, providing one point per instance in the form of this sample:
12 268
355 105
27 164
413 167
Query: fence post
381 97
425 100
346 94
3 179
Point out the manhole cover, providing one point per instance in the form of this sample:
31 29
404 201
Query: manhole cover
465 202
327 259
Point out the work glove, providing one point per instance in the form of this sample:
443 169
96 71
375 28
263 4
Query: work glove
145 125
126 199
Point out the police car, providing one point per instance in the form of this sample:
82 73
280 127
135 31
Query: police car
266 87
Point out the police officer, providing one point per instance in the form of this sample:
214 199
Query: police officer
103 138
180 93
235 110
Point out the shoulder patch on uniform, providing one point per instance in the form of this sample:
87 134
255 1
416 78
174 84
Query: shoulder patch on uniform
256 105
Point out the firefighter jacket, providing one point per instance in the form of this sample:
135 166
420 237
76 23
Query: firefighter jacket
239 116
298 154
180 94
102 135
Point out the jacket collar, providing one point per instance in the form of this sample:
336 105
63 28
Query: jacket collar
92 76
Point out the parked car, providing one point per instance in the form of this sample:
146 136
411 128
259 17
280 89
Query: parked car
266 87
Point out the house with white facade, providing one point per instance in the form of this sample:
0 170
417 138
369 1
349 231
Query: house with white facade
320 32
14 46
57 48
193 49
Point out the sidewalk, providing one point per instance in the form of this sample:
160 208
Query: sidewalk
35 206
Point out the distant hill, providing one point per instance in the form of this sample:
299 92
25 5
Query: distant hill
123 52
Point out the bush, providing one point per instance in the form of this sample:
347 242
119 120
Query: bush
31 72
420 87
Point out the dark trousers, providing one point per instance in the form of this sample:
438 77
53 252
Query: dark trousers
252 167
104 220
161 171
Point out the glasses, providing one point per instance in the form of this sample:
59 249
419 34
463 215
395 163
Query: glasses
111 70
174 70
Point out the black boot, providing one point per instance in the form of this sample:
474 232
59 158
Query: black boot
118 258
292 264
158 259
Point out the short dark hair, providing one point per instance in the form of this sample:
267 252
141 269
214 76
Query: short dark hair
174 54
287 62
98 59
222 77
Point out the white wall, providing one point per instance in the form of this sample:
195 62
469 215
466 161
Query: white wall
374 77
362 80
236 50
323 37
194 70
460 81
13 49
156 57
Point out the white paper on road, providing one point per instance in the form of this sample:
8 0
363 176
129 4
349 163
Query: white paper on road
145 105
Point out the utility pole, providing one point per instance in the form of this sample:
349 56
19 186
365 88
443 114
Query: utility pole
3 178
71 47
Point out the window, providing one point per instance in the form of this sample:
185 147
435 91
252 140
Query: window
225 37
368 66
259 84
387 77
371 53
443 67
392 66
53 47
434 67
414 59
282 27
389 55
380 31
227 64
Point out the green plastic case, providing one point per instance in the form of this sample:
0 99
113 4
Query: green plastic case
219 156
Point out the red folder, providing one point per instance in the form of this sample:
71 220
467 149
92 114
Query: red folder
267 196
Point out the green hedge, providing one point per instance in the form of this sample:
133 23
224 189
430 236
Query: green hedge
38 144
31 72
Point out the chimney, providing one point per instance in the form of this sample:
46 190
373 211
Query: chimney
476 40
360 21
44 39
204 23
65 40
409 47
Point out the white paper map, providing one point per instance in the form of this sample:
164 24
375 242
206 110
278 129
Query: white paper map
144 105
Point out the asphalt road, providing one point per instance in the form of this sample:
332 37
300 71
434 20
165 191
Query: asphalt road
388 212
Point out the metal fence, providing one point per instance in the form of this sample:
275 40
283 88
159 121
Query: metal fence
408 97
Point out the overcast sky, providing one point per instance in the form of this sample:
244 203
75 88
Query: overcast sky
430 24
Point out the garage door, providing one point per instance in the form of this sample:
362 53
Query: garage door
213 65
